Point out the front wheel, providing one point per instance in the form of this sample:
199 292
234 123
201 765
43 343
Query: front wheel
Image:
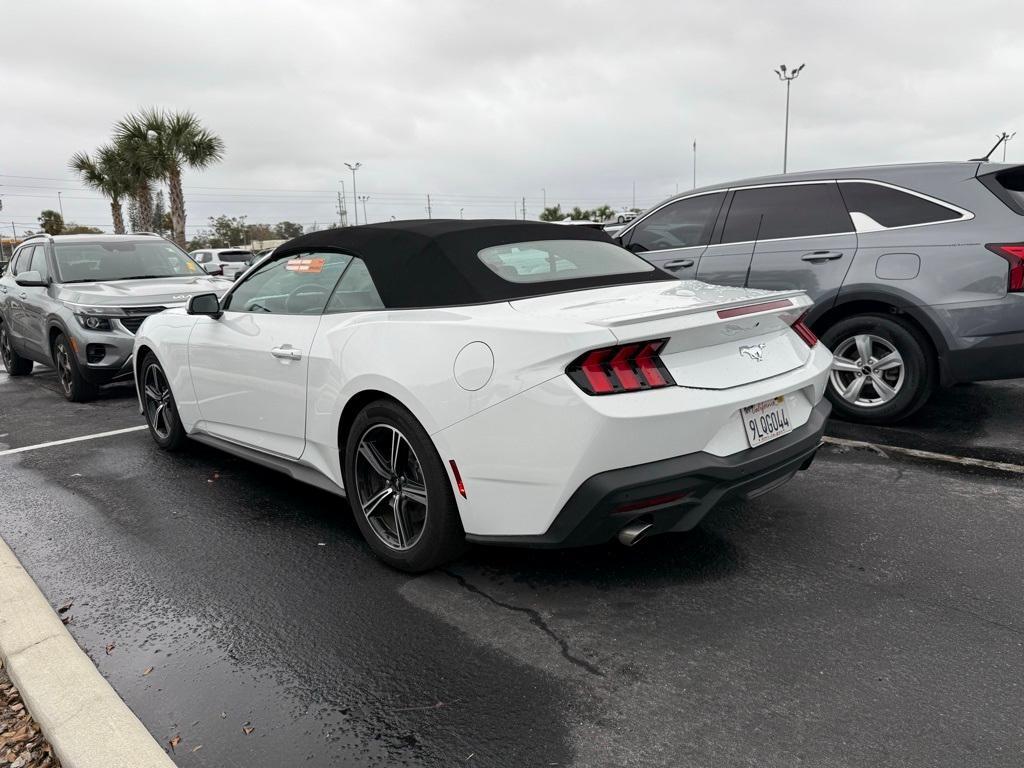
72 383
158 404
15 364
882 369
399 491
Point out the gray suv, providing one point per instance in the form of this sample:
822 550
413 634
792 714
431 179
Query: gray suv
75 302
917 271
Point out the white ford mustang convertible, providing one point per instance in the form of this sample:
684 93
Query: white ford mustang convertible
491 381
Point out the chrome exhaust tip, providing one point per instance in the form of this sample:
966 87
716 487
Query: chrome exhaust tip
633 532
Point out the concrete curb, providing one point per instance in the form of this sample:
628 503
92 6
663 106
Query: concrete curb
81 715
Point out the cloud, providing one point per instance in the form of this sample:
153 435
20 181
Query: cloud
482 103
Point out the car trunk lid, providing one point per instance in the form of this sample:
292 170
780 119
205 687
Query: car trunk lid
718 336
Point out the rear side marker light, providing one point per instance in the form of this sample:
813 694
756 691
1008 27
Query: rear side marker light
654 501
750 309
804 332
1013 253
629 367
458 478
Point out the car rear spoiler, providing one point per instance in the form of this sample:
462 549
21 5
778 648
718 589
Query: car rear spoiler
1003 180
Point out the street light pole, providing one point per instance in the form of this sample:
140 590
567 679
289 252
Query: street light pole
60 204
788 79
1006 140
364 198
355 199
545 193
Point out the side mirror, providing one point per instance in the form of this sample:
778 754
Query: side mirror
30 278
636 248
216 270
204 304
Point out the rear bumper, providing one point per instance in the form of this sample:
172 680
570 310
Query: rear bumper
995 357
690 485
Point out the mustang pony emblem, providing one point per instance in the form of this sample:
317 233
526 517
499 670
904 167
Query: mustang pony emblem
755 353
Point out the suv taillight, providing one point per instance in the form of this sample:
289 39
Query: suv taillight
804 332
625 368
1014 255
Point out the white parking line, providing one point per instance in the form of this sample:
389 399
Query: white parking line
113 432
1000 466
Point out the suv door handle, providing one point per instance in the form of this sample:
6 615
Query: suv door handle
822 256
287 352
678 264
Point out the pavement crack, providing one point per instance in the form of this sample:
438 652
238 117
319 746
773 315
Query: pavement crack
535 618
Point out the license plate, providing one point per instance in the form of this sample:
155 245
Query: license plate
766 420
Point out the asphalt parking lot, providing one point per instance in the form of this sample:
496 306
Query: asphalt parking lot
868 613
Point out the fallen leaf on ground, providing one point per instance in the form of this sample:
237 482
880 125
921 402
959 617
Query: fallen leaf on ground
197 747
175 741
146 671
66 619
247 729
109 647
66 607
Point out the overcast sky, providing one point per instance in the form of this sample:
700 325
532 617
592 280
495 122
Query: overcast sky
480 103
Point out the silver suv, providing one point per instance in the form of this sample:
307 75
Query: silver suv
75 302
917 271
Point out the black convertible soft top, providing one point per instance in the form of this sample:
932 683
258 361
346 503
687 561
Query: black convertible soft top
434 263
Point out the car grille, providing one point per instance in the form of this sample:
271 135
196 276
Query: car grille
135 316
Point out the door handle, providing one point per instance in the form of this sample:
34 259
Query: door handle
287 352
23 295
822 256
678 264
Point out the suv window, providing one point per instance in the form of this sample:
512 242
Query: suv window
38 262
298 284
356 291
233 256
792 210
679 225
22 259
893 208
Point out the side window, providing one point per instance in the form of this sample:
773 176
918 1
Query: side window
891 207
679 225
298 284
793 210
356 291
38 262
21 260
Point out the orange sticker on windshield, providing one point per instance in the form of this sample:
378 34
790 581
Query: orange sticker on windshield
190 266
305 265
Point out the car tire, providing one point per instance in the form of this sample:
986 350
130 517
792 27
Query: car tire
387 495
15 364
864 391
158 405
72 383
621 220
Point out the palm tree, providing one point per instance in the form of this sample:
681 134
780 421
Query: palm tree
164 143
106 173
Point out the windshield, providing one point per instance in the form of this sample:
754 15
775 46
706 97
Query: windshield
547 260
91 262
234 255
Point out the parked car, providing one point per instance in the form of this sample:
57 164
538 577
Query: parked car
75 302
916 271
493 381
626 214
229 262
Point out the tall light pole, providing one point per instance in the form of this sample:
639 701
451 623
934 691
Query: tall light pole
364 198
60 204
1006 140
544 192
694 163
355 199
787 78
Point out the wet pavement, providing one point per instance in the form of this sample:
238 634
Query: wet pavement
868 613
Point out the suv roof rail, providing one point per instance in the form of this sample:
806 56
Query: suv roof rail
37 234
151 234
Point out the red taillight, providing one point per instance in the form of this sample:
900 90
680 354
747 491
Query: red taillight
1013 253
625 368
804 332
